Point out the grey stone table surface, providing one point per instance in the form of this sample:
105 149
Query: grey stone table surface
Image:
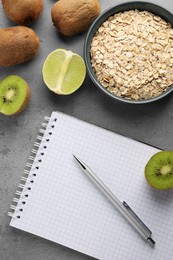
150 123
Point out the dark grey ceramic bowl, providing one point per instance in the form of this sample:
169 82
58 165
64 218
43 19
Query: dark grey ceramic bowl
141 6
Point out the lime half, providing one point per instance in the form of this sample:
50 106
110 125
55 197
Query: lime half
63 71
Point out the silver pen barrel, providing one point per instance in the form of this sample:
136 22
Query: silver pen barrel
125 211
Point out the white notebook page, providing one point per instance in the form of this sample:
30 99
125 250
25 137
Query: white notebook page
64 206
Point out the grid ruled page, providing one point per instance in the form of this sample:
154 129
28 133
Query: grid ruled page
64 206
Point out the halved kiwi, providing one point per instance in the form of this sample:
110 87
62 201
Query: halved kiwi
14 95
159 170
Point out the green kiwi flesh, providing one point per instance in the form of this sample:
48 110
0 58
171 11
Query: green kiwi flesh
14 95
159 170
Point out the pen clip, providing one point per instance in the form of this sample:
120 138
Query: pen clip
141 223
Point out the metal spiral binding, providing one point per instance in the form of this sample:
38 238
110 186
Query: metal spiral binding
23 179
42 131
26 172
26 181
18 193
21 185
33 151
15 200
13 207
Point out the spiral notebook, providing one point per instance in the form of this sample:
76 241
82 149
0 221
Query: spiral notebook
56 201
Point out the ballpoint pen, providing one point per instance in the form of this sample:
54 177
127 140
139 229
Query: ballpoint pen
122 207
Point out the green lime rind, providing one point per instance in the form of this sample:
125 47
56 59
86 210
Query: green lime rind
159 170
63 71
15 88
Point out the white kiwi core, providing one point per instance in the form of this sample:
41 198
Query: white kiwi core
165 169
10 94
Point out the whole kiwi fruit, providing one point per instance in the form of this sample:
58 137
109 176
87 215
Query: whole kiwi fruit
74 16
23 11
18 44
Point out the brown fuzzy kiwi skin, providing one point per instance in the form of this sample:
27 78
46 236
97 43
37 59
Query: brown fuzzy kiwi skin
72 17
23 12
18 44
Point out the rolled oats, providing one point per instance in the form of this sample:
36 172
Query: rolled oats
132 54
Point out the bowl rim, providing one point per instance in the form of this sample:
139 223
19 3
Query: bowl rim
160 11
